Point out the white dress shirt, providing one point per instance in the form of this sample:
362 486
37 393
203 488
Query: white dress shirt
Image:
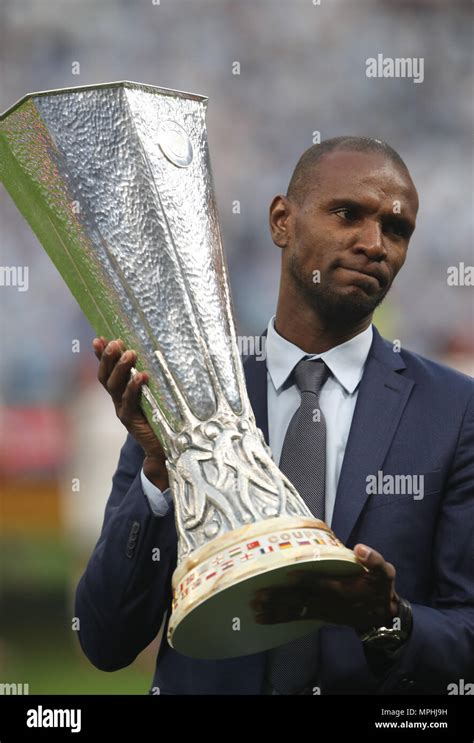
337 398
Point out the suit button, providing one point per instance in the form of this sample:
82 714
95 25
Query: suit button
132 539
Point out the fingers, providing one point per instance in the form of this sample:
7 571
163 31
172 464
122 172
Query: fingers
114 374
120 375
357 601
109 357
375 563
131 397
98 345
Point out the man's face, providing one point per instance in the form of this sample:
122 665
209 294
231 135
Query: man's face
345 243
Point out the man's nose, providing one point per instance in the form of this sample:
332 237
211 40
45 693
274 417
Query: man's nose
370 240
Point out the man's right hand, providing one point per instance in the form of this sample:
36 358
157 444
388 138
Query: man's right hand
114 374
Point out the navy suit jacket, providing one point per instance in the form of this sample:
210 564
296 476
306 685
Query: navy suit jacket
413 416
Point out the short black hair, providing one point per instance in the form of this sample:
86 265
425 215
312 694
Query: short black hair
299 180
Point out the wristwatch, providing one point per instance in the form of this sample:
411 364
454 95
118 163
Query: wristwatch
387 640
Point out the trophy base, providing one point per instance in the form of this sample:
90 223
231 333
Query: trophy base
213 587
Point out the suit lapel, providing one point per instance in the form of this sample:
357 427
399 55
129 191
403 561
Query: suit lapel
381 400
256 378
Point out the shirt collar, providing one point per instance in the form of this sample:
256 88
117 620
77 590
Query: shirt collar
345 361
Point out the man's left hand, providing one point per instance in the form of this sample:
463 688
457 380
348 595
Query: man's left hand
362 602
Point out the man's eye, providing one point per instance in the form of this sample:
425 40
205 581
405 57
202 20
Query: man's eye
396 228
348 214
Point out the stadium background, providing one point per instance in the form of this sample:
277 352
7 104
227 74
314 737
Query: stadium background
302 69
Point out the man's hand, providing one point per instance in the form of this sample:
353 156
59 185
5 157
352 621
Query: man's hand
366 601
114 374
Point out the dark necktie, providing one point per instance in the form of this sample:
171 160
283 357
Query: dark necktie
291 667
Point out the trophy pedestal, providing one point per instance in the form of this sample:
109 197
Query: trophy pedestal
213 587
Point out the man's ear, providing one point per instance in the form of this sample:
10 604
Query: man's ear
280 214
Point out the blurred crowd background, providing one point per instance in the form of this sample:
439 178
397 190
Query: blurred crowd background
302 69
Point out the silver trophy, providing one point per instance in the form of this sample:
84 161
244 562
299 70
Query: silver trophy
116 182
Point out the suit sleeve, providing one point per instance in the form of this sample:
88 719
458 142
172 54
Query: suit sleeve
126 588
440 650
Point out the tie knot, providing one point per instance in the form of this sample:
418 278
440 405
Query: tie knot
311 375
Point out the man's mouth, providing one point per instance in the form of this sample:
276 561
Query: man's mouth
376 274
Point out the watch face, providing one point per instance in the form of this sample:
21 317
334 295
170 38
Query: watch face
385 639
388 638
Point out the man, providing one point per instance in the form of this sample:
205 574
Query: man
392 420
